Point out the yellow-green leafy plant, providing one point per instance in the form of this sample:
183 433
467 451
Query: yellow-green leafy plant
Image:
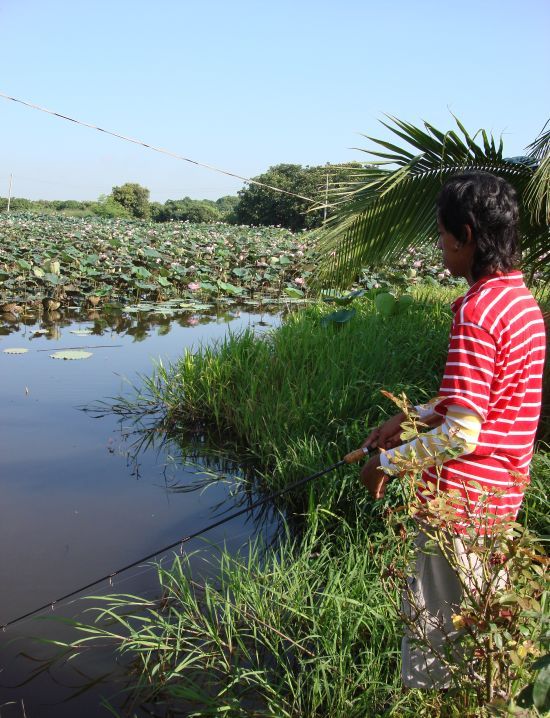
494 655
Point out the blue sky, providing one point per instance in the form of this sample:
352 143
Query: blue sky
244 85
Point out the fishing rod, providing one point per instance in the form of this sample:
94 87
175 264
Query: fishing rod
352 458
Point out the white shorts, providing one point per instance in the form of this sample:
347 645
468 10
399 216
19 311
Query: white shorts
436 593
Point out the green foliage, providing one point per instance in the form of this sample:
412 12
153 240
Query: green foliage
134 198
188 210
298 390
138 261
17 204
108 208
304 633
261 206
388 206
226 206
499 626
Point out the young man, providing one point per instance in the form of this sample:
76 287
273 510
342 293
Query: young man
489 401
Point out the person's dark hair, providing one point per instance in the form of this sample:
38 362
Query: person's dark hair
489 205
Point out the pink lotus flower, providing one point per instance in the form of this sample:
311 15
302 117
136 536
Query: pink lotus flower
299 281
192 321
417 264
193 286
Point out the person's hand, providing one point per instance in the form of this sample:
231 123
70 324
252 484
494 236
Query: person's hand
387 435
374 478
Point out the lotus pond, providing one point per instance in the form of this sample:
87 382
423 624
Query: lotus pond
81 494
59 261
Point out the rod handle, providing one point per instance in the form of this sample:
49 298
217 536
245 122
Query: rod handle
354 456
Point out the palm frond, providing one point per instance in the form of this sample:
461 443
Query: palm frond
537 193
388 206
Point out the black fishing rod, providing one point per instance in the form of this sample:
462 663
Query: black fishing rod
351 458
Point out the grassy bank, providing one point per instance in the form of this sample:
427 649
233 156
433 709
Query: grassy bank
299 399
308 630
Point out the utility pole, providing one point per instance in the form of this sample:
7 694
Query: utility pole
9 192
326 202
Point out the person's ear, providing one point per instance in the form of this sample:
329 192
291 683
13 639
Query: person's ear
468 235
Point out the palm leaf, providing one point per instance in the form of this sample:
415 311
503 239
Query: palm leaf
537 193
388 205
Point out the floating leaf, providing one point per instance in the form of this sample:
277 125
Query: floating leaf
15 350
81 332
71 354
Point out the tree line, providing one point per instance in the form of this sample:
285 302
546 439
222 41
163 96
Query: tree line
253 205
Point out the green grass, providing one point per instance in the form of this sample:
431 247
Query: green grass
305 395
307 630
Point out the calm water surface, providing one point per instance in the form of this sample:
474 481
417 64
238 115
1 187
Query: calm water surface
76 502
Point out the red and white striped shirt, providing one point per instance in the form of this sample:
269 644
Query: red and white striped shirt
495 368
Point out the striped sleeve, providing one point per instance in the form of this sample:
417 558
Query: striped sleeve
459 432
469 370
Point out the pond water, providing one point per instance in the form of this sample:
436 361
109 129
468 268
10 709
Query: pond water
77 501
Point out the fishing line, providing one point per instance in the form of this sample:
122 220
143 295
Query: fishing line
248 180
350 458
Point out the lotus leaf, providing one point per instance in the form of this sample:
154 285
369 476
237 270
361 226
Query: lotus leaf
340 317
71 354
15 350
293 292
346 299
405 301
386 304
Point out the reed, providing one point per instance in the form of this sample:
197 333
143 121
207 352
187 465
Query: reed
306 630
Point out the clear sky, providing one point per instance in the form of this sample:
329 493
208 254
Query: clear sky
244 85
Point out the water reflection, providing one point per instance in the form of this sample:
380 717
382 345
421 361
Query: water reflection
138 324
83 496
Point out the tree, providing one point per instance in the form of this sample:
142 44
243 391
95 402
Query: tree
226 206
263 206
389 205
134 198
109 209
188 210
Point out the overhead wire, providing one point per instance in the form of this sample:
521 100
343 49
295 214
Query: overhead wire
161 150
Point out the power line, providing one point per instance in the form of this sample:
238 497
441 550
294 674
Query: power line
248 180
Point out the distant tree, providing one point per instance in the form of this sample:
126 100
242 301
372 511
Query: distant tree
17 204
134 198
156 209
226 206
261 206
188 210
107 207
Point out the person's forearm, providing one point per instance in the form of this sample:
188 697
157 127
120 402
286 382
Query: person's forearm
458 431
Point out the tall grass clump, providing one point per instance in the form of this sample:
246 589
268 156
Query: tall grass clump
305 393
307 631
